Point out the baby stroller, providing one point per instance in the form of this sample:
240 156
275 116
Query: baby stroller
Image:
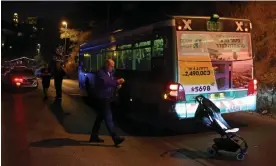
209 114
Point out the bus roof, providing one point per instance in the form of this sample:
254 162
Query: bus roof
207 18
120 34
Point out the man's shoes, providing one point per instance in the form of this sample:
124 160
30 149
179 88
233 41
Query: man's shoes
96 139
118 141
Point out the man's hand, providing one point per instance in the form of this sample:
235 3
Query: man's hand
121 81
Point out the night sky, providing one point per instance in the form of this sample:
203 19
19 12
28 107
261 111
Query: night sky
80 14
48 10
51 12
85 11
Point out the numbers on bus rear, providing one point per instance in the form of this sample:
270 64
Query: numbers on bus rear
197 73
201 88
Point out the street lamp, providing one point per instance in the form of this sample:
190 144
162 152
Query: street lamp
65 24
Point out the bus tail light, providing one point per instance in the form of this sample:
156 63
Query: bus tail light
175 92
252 87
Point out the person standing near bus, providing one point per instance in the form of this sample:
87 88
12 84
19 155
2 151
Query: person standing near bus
105 83
59 73
46 78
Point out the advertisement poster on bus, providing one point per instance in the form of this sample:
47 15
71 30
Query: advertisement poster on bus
212 61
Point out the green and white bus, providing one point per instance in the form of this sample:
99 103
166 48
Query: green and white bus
166 64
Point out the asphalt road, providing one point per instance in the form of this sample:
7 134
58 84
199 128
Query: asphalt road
37 132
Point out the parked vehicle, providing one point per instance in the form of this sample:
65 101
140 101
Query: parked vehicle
3 71
20 78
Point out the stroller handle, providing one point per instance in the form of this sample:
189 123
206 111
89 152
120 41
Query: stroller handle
199 98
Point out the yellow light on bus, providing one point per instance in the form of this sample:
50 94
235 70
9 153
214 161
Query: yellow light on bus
86 55
179 27
212 96
221 95
165 96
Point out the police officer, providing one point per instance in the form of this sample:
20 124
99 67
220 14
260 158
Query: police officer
59 73
104 85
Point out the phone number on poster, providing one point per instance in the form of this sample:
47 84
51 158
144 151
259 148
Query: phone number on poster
200 88
196 73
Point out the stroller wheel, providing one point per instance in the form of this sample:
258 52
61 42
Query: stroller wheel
245 151
212 151
240 156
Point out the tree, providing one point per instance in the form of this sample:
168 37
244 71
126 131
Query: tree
77 38
263 18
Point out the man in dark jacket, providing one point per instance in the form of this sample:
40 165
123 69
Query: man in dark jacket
59 73
104 85
46 78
